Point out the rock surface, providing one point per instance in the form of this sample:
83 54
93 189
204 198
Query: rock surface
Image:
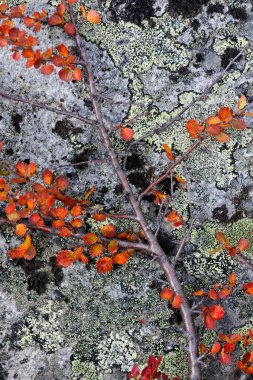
153 55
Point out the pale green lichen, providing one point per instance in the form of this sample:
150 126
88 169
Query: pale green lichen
44 328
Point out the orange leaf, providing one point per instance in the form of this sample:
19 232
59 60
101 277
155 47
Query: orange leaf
58 223
76 223
47 177
168 152
243 244
20 229
72 1
59 212
61 9
76 210
104 265
223 293
70 29
225 114
36 220
112 247
248 288
77 75
241 102
90 238
93 17
216 312
3 7
63 50
99 217
232 279
199 293
239 124
167 294
213 294
83 11
47 69
96 250
225 358
64 232
177 301
65 74
126 133
215 348
193 128
55 19
29 22
30 253
16 56
220 237
47 54
62 183
90 191
108 231
121 258
222 137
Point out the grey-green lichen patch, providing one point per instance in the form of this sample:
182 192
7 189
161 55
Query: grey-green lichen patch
45 327
215 266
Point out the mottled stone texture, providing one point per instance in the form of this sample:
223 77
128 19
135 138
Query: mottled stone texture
154 55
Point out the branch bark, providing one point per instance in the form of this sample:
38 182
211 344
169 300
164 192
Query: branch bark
155 248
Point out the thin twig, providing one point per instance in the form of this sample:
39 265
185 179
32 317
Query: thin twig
154 245
170 169
46 107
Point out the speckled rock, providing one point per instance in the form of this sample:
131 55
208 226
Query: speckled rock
156 56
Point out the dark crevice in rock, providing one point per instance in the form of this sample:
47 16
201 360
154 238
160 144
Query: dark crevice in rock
228 55
186 8
215 8
134 11
238 14
16 121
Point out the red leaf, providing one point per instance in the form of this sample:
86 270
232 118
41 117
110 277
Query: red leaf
65 74
70 29
168 152
47 69
239 124
90 238
225 358
126 133
99 217
63 50
104 265
225 114
16 56
248 288
55 20
243 244
215 348
93 17
62 183
96 250
121 258
167 294
216 312
177 301
72 1
61 9
77 75
47 177
108 231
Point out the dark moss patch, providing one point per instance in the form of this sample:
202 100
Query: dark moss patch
82 158
16 121
221 213
186 8
134 11
228 55
63 128
138 180
56 271
215 8
38 281
166 243
134 162
238 13
195 24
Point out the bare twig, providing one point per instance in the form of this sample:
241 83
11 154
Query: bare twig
154 245
170 169
46 107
